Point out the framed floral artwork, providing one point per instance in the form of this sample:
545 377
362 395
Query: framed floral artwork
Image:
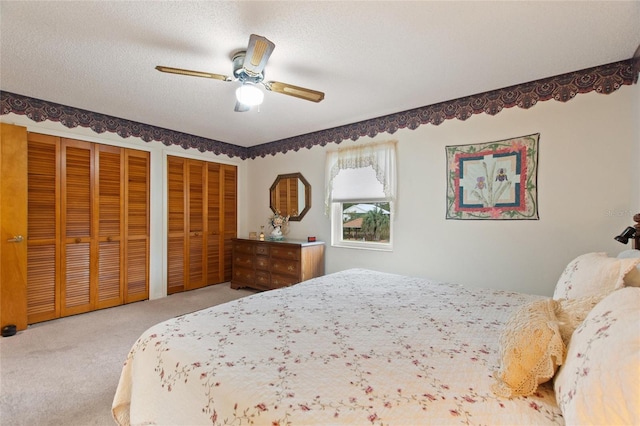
493 180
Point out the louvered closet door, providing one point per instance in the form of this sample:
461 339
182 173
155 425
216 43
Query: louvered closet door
176 168
195 248
287 195
43 213
88 226
229 214
110 173
76 201
215 260
136 254
202 222
292 195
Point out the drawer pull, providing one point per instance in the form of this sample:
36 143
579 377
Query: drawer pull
290 268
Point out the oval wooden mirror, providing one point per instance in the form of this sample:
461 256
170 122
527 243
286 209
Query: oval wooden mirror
290 195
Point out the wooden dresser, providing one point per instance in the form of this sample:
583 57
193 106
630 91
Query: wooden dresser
267 265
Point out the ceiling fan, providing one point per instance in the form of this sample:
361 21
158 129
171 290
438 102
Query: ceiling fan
248 69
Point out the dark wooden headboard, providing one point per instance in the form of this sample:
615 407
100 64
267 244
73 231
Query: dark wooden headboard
636 243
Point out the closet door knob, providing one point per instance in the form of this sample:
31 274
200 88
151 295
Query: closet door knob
15 239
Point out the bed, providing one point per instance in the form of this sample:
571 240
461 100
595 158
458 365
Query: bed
363 347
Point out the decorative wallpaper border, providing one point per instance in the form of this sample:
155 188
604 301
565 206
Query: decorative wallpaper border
39 110
603 79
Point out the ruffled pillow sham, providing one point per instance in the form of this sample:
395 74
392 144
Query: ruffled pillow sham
593 274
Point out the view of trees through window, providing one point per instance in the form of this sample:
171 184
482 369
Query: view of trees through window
366 222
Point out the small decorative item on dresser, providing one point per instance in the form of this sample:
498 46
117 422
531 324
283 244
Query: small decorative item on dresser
311 239
253 235
279 224
262 233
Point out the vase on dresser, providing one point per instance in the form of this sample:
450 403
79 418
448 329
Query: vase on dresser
276 234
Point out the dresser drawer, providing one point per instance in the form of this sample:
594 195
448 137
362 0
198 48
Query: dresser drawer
243 275
242 260
262 262
286 252
263 280
262 249
285 267
243 248
278 281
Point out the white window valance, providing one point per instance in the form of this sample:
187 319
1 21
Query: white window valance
363 173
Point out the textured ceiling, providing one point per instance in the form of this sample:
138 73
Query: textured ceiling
370 58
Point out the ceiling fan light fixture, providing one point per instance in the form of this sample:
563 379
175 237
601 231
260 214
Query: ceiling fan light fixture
249 94
248 69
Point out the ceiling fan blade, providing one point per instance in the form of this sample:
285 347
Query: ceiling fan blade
240 107
258 52
193 73
291 90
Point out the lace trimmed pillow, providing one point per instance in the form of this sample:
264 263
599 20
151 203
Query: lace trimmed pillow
592 274
570 313
531 349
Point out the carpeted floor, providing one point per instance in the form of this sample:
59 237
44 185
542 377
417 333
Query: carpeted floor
65 371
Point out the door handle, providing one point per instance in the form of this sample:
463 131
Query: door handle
16 239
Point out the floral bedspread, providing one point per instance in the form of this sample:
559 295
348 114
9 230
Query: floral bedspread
354 347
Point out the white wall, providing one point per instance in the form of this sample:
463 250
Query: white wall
158 200
588 191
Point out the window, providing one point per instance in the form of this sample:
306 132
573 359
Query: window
360 195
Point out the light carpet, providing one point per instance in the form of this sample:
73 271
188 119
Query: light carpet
65 371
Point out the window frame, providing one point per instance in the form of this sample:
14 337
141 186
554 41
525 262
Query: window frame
337 230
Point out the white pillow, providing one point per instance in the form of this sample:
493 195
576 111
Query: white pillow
629 254
633 278
598 383
593 274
